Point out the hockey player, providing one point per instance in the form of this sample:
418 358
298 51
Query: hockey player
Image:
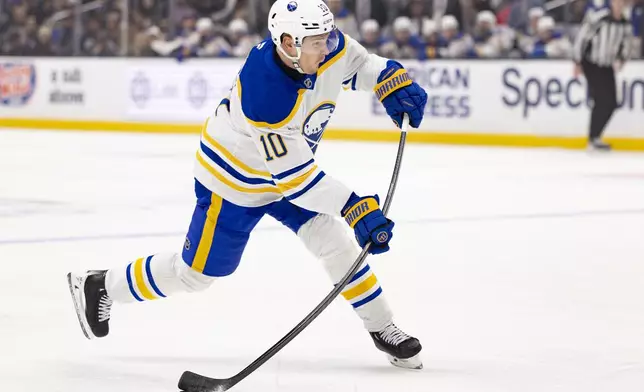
456 44
256 158
488 42
432 41
550 43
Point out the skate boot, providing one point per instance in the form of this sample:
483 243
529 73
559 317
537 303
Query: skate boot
598 145
91 302
402 350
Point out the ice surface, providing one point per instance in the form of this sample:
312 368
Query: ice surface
521 270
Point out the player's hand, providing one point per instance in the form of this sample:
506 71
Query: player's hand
400 95
619 65
363 214
577 71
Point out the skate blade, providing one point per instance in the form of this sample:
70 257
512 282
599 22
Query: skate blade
75 288
408 363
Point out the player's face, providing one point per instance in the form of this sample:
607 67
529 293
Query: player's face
315 49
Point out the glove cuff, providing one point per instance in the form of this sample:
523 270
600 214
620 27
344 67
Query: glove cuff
397 80
359 210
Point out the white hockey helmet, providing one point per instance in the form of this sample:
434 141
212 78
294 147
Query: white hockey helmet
536 12
449 22
204 24
238 26
429 27
546 23
486 17
369 26
301 19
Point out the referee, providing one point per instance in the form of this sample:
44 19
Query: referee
602 47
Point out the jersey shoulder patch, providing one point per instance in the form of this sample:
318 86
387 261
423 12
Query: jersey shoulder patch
269 98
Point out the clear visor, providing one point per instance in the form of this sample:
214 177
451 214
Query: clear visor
321 44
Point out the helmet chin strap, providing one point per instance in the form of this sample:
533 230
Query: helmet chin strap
295 60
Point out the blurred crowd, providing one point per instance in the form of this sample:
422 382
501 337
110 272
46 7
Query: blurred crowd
402 29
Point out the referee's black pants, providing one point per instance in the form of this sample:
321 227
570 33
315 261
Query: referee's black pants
603 90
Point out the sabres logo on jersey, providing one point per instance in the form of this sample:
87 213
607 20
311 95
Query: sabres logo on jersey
316 122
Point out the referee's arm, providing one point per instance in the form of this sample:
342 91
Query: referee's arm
625 48
581 41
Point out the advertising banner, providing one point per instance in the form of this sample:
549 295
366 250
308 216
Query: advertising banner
61 88
538 98
533 98
165 90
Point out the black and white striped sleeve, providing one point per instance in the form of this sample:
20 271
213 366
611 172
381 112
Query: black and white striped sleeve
581 41
586 34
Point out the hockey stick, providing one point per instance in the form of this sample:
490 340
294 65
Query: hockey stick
192 382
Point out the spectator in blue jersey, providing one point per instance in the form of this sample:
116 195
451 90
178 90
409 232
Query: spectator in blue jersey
188 25
534 14
241 40
457 44
550 43
518 18
527 37
211 41
371 37
405 45
432 41
206 41
487 39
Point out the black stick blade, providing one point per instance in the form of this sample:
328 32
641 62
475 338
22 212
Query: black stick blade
193 382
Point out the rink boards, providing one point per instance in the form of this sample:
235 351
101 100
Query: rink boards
521 103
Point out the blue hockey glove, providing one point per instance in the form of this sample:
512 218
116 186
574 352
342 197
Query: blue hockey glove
399 95
363 214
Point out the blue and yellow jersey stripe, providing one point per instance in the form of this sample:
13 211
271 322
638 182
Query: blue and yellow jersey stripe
230 170
208 233
279 124
240 177
295 182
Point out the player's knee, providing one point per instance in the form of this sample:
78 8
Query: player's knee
326 237
192 280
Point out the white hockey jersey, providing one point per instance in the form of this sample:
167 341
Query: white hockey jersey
259 144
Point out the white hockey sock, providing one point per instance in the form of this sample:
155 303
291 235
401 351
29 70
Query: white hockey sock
154 277
326 238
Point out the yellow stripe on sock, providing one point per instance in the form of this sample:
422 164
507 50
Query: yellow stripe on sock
208 233
361 288
140 282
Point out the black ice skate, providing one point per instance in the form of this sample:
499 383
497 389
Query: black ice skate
91 302
598 145
401 349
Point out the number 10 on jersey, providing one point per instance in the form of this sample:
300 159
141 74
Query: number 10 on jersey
274 146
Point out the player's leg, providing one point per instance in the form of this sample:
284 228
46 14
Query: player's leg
327 239
216 239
